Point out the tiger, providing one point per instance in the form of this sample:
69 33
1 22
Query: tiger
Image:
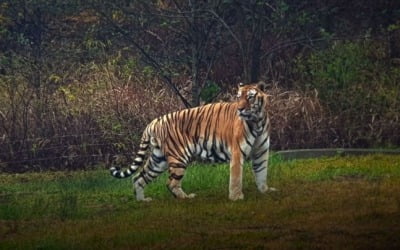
220 132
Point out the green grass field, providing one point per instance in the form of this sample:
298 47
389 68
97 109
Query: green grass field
334 203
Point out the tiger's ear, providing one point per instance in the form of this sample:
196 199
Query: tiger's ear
239 91
262 86
239 86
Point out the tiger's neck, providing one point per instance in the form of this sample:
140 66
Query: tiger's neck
258 126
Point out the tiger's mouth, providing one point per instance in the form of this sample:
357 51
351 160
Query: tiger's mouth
245 114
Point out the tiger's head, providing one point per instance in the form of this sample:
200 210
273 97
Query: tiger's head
252 101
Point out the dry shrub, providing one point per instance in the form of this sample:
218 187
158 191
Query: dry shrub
121 107
301 120
100 114
296 119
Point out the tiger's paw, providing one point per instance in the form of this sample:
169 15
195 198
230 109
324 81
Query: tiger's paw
235 197
146 199
186 196
265 188
191 196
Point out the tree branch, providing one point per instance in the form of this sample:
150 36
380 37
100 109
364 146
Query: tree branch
149 58
212 12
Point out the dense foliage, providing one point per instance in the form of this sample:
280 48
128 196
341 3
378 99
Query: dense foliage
79 80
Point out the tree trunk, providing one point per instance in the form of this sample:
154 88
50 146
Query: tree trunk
394 43
195 98
255 60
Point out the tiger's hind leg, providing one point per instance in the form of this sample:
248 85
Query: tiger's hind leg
155 165
177 171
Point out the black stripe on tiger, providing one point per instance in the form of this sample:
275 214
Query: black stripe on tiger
157 159
258 155
258 167
175 176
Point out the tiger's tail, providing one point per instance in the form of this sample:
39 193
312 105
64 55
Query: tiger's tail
137 162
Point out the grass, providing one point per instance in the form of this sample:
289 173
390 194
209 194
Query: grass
340 202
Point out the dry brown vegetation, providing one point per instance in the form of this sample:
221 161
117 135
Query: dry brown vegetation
100 115
79 80
297 119
100 118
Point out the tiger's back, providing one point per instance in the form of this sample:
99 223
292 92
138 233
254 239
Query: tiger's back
205 131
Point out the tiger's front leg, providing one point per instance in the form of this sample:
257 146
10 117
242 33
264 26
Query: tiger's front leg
236 176
260 169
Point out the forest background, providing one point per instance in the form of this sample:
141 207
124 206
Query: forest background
79 80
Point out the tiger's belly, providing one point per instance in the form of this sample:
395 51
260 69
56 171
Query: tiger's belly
212 151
